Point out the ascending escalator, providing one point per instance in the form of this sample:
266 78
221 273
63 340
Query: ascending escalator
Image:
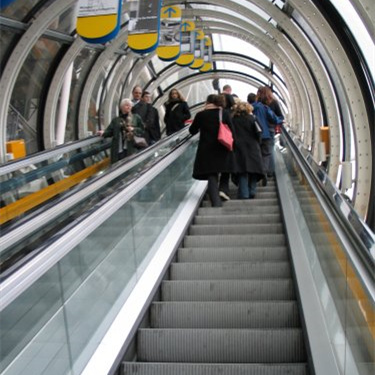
229 305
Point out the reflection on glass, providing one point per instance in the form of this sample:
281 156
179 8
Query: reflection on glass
18 10
66 22
70 308
30 85
82 66
348 308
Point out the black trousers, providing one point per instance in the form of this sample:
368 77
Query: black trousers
224 183
213 190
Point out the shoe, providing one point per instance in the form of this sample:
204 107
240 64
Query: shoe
264 181
224 196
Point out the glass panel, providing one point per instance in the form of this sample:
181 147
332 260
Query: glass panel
66 22
356 26
34 177
86 289
81 68
18 10
27 191
349 310
100 86
30 85
8 38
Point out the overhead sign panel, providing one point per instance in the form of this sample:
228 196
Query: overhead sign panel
199 50
187 43
169 42
144 25
207 66
98 21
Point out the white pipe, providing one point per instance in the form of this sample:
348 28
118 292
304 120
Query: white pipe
322 151
346 176
63 107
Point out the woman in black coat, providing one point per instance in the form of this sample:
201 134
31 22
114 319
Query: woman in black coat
176 112
212 157
249 165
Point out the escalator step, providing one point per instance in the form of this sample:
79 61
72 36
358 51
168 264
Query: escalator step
252 202
238 219
132 368
272 314
232 254
228 290
256 240
239 210
230 270
236 229
220 345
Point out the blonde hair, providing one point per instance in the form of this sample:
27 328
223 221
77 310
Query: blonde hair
242 108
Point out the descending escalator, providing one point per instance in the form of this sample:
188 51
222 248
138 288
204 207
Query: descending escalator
229 304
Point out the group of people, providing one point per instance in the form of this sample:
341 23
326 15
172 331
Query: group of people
252 125
138 124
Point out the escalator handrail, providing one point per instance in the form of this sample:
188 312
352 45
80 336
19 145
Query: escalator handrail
67 201
15 165
20 280
360 254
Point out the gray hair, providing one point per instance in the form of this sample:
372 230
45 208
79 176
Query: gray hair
126 101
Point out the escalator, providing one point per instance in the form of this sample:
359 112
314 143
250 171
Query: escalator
229 305
153 280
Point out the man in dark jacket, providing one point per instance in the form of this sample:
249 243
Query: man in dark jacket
151 120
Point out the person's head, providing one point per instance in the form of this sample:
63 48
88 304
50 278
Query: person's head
215 99
227 89
126 106
251 98
146 97
174 95
242 108
265 95
137 92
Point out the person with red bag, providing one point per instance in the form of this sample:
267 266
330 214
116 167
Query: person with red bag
212 158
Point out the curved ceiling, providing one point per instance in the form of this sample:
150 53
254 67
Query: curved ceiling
324 77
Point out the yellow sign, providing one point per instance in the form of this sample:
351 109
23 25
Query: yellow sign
97 21
144 25
169 41
187 43
199 50
207 55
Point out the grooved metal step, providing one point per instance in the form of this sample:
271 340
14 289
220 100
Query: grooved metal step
260 314
238 219
132 368
229 304
244 210
232 254
220 345
230 270
252 202
236 229
235 240
227 290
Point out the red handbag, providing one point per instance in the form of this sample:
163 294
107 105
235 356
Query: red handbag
225 136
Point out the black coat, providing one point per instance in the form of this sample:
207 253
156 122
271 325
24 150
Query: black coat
176 113
247 147
150 118
211 157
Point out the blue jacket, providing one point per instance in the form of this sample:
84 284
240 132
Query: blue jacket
264 115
